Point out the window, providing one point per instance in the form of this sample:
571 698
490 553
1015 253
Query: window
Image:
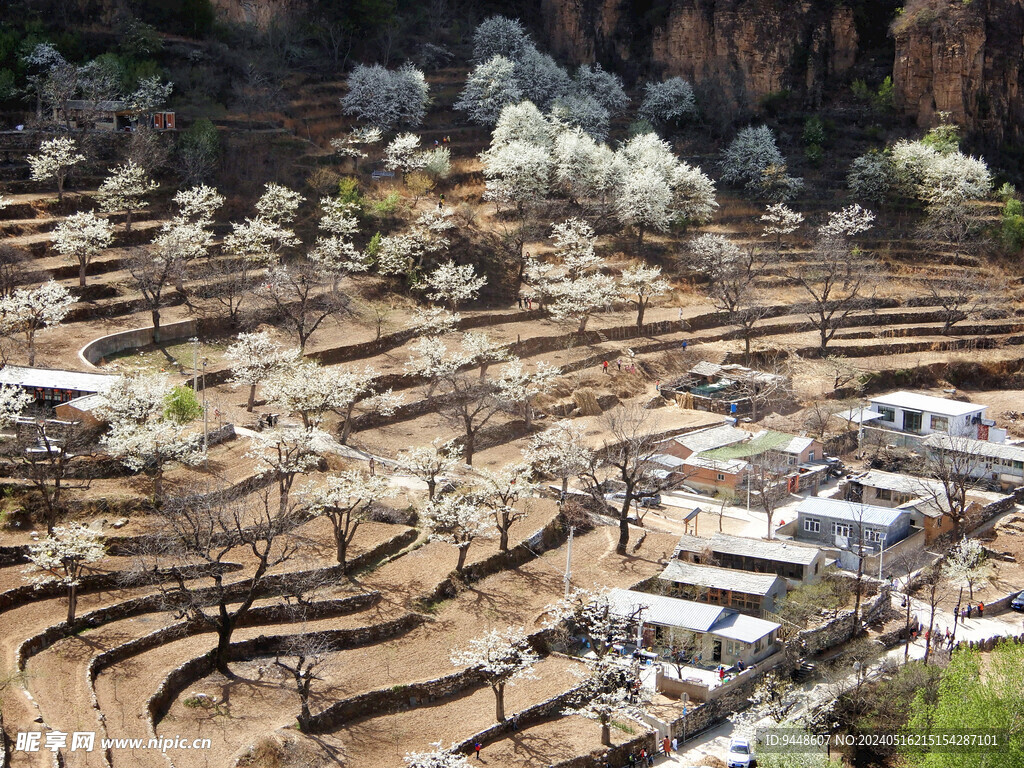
888 414
871 534
810 456
813 525
840 529
940 424
720 476
1018 465
884 493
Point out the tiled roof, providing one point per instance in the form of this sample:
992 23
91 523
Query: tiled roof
778 551
53 378
966 445
748 582
849 511
691 616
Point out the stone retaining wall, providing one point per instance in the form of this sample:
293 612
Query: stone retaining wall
111 344
840 629
389 700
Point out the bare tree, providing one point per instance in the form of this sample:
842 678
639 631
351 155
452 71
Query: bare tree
309 651
837 283
961 296
195 529
304 296
46 453
154 276
626 456
467 403
732 273
952 461
767 476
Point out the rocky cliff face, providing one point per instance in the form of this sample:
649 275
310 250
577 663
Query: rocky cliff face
964 60
745 50
258 13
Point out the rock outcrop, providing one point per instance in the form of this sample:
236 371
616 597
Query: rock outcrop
964 59
745 50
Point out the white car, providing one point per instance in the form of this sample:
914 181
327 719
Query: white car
741 754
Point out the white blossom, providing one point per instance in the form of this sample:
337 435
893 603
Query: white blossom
583 111
149 96
386 98
490 88
458 520
433 321
254 357
55 159
428 463
30 310
693 195
63 555
540 78
641 283
517 387
779 219
582 167
504 658
436 758
604 86
348 146
522 122
850 221
279 204
517 173
403 153
13 402
750 153
346 499
81 237
499 36
454 284
578 298
644 201
199 203
259 240
287 451
668 102
559 451
871 177
574 241
125 190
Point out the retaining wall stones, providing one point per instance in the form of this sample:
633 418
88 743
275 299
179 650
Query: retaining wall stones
842 627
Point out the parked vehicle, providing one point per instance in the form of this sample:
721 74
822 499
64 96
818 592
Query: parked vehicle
1017 604
645 499
741 754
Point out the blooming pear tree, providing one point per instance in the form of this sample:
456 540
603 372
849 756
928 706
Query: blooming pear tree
334 250
198 204
30 310
604 86
577 300
458 520
82 237
641 283
403 154
54 161
482 350
433 321
500 36
453 284
504 492
668 102
575 241
142 434
349 145
429 463
610 689
286 452
125 190
643 202
516 387
592 614
503 657
346 500
560 452
779 220
256 357
64 556
490 87
967 565
181 243
385 98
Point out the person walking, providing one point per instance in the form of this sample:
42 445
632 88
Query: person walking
604 366
970 609
618 363
666 747
981 610
519 300
373 467
476 748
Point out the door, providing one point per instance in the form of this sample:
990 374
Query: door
911 421
716 651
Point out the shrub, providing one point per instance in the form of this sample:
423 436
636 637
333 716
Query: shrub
814 154
323 180
1012 230
814 131
669 102
348 191
871 177
749 154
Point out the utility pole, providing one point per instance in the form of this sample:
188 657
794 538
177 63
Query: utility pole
881 550
568 560
195 361
206 421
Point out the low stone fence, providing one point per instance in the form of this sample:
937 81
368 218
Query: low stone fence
550 536
843 627
990 643
390 700
111 344
199 667
388 548
29 593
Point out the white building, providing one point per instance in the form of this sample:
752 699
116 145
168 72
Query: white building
1001 464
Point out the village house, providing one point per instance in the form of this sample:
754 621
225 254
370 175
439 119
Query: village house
997 464
924 499
110 115
902 418
849 525
711 634
747 592
686 445
796 563
50 386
